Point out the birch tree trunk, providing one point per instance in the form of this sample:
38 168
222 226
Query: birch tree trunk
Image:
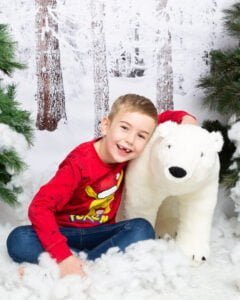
164 86
50 92
100 73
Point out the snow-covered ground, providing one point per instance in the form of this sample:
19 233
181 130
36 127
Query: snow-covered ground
155 269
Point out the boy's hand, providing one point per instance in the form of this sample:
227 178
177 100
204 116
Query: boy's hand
71 265
189 120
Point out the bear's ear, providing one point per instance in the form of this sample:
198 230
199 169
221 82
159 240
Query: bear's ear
217 140
165 128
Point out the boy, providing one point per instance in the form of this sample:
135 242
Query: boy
76 209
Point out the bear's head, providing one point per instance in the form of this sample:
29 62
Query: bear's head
184 155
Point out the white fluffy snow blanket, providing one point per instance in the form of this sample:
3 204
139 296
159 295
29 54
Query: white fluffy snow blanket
148 270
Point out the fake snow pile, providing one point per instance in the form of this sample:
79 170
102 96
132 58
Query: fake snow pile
145 270
151 269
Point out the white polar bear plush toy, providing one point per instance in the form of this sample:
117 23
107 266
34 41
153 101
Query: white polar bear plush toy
179 165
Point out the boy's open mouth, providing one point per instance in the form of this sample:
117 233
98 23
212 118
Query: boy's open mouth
127 150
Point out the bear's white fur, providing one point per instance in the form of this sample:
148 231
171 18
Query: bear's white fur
179 165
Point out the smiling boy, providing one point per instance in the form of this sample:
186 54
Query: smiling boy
76 209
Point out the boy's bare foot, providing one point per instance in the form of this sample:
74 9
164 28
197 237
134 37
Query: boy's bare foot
21 271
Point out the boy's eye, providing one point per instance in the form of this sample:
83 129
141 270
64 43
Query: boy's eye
142 136
124 127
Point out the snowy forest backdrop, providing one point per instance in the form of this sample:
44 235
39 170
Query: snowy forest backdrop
79 61
81 55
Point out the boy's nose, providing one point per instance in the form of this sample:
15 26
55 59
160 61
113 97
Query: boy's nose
130 139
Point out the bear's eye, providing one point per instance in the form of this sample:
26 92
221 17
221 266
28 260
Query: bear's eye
202 154
169 146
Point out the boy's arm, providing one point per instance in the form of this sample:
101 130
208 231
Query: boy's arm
49 200
178 116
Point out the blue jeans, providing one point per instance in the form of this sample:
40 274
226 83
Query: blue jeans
24 246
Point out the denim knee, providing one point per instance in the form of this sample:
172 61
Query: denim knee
21 245
143 229
14 243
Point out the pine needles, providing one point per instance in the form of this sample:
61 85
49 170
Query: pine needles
11 164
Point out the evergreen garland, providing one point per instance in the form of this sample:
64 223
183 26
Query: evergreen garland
17 119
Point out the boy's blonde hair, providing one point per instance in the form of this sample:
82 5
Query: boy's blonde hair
134 103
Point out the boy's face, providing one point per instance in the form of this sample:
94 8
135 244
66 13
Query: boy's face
125 137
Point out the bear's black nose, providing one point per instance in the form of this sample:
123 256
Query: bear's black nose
177 172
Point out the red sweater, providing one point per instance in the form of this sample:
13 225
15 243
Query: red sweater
84 192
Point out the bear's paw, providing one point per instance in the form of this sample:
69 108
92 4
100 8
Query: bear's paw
197 253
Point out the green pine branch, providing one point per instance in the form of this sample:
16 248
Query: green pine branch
8 62
13 116
232 20
222 85
5 177
231 177
10 159
7 195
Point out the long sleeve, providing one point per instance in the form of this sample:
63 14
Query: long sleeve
50 199
173 115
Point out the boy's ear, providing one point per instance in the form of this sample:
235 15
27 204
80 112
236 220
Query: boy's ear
104 125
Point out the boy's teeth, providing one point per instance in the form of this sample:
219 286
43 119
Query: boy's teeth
123 148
